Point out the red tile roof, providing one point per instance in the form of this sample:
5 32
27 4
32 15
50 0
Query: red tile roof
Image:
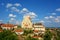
7 25
36 30
19 30
35 36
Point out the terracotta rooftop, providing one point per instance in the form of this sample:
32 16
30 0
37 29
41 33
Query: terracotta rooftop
36 30
35 36
19 30
7 25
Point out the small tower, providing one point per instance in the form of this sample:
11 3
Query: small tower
26 23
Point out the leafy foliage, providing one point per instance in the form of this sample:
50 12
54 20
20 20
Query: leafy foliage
8 35
48 35
19 26
30 38
58 35
26 32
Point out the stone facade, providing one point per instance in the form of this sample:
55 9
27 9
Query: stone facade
26 23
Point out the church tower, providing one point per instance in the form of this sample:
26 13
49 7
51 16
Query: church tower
26 23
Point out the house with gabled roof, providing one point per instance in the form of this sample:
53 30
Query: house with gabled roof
8 26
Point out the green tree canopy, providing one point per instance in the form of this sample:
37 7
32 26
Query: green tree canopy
48 35
8 35
30 38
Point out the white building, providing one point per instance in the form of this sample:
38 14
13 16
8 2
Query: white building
8 26
19 31
38 28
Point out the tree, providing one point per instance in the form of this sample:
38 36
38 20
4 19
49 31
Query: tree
48 35
8 35
30 38
26 32
19 26
58 35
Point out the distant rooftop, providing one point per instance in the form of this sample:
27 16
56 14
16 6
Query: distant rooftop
37 24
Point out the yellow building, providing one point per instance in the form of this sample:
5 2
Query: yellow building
26 23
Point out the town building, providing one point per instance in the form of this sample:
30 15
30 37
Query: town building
26 23
8 26
19 31
39 28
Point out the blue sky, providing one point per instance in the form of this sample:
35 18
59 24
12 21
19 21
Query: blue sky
45 11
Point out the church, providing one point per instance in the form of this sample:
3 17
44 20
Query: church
27 24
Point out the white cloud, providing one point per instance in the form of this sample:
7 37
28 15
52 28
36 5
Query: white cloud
12 15
17 4
58 9
15 9
53 13
31 14
12 19
51 17
46 17
42 21
57 20
9 5
24 10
